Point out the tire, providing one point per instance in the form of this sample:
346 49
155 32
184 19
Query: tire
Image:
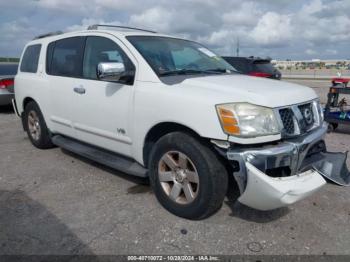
208 194
332 127
34 120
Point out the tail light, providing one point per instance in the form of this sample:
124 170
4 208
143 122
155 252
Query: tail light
5 83
260 74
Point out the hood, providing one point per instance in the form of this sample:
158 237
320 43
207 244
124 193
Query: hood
241 88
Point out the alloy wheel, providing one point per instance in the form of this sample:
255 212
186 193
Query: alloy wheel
178 177
34 125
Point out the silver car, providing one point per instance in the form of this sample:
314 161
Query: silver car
7 74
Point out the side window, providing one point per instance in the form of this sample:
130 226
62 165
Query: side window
67 56
30 59
49 54
100 49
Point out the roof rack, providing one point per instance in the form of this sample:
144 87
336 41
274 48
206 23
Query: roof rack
95 27
48 34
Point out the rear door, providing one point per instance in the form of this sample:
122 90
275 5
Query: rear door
64 68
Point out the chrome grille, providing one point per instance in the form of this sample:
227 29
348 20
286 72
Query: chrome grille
286 115
307 114
299 119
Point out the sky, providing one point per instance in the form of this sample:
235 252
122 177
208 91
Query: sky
280 29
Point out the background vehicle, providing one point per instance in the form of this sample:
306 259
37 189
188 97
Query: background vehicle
7 74
254 66
170 109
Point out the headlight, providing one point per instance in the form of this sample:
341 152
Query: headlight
247 120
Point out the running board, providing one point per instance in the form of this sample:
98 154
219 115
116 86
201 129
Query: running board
101 156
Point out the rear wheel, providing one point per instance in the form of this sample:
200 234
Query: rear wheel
187 176
35 126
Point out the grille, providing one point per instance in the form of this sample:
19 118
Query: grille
308 116
287 120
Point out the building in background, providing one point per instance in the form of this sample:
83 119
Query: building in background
343 64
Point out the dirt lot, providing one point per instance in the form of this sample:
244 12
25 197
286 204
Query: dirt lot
53 202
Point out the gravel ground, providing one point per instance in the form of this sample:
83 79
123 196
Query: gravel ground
54 202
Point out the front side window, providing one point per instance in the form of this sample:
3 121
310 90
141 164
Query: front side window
30 59
170 55
102 50
64 57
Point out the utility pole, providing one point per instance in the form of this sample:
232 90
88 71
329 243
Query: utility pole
237 49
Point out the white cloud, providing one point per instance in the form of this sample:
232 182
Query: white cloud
157 18
332 51
311 52
247 15
273 29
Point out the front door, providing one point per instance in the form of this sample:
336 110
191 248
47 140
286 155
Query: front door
103 109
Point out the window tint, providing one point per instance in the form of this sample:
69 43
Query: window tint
30 59
241 65
100 49
264 67
67 56
49 54
6 69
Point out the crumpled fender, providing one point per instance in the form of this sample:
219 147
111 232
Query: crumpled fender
333 167
265 193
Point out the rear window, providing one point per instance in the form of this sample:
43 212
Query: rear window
65 57
241 65
30 59
263 67
8 69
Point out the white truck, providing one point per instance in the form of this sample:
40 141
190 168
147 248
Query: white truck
157 106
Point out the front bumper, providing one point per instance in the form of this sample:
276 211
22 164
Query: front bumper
277 175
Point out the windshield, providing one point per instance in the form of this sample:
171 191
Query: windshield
169 56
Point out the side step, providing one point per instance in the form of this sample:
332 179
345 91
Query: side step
101 156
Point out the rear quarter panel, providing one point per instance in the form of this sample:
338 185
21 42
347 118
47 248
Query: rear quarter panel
33 85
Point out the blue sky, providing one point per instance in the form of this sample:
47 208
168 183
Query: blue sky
280 29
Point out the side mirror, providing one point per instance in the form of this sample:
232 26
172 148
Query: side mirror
110 71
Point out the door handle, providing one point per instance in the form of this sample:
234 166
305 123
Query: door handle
80 90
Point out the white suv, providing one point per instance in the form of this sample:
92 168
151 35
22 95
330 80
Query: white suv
169 109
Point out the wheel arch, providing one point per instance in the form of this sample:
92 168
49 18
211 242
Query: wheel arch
25 102
158 131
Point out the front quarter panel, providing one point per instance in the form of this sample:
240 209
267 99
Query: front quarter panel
157 103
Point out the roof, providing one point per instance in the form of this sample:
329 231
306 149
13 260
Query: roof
113 30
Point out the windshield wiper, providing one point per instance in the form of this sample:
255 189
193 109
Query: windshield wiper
193 71
181 72
219 70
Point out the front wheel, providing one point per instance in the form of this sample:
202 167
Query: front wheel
187 177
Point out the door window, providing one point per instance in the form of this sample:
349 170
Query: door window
64 57
99 50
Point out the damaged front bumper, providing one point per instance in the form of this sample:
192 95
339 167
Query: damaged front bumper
277 175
